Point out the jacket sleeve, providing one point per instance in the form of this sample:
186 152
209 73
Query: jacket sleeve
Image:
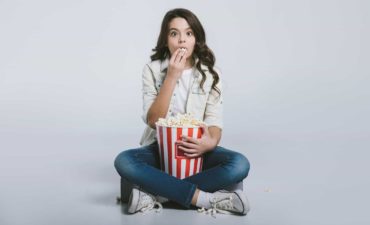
149 91
213 115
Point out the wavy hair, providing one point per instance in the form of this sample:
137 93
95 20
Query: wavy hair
201 50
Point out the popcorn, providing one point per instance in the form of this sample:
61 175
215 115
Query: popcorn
180 120
173 159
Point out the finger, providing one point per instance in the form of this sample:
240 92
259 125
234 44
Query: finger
192 155
183 58
188 144
175 53
187 150
179 56
190 139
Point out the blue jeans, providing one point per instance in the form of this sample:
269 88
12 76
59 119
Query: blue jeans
221 168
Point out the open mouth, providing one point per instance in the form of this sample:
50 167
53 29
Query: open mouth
183 49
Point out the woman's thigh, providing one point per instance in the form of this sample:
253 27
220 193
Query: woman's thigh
221 155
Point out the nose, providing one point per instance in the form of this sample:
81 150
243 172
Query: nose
181 39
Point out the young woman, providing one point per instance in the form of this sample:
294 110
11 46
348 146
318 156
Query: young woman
181 78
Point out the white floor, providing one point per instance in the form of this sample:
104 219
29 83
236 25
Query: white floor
290 182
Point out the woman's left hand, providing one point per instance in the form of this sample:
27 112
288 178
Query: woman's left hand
194 147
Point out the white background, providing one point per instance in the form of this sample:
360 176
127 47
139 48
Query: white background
296 97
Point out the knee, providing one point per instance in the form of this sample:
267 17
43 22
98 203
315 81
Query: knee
240 167
124 163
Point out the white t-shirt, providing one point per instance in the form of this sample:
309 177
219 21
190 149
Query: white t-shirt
181 92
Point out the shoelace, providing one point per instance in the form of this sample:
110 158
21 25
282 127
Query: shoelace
219 206
149 204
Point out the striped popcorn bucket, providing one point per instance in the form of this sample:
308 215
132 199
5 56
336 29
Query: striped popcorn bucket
173 161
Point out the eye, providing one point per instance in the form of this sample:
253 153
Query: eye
173 33
190 33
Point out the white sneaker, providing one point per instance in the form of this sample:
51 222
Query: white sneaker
226 202
161 199
142 201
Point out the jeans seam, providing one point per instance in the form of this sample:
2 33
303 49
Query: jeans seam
190 196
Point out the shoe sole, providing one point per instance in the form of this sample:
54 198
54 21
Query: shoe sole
244 201
133 201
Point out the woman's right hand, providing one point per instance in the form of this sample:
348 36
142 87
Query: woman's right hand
176 64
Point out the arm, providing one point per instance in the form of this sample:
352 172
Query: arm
161 103
215 134
156 104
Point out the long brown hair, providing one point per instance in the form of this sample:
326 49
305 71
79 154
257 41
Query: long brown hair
201 50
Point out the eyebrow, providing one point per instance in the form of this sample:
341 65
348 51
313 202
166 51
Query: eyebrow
177 29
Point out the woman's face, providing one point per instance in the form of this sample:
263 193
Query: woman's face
180 35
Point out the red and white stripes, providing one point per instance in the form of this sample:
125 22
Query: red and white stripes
173 160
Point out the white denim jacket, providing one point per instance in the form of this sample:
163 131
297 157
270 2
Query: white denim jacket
206 106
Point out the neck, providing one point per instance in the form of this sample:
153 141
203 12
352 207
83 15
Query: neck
189 63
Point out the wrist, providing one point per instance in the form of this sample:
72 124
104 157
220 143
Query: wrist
175 75
171 79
